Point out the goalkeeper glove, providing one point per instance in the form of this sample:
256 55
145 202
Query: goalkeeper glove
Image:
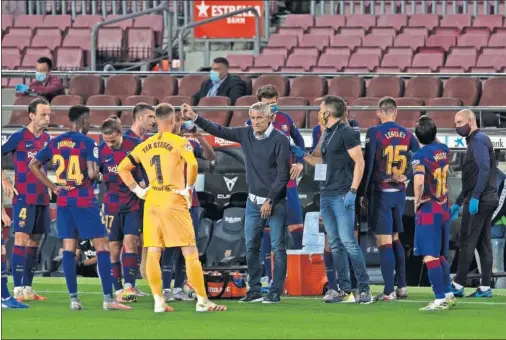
140 192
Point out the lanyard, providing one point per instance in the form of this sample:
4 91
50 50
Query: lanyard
325 143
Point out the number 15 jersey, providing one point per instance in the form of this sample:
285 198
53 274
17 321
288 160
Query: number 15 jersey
69 153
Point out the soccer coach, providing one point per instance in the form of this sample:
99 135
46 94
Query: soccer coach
479 197
267 160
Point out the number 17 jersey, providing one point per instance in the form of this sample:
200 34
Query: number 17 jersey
69 153
432 161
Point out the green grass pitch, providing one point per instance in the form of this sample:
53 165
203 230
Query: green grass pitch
294 318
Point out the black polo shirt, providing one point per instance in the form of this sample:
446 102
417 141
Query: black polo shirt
337 140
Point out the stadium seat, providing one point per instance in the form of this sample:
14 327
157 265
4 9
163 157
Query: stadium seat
177 101
190 84
126 116
400 57
464 88
11 57
408 119
365 61
159 86
297 31
330 20
451 69
20 117
385 86
388 69
416 31
155 22
408 40
17 37
368 118
444 42
493 94
248 84
86 86
356 31
381 41
286 41
429 59
312 40
299 20
78 37
98 116
429 21
227 239
483 69
69 58
32 54
347 87
309 87
124 24
496 40
240 117
7 21
67 100
492 57
273 61
473 40
335 57
86 21
220 117
464 57
242 61
281 83
305 61
47 37
30 21
383 31
443 119
141 43
204 236
456 20
322 31
349 41
273 51
490 21
366 21
62 21
122 86
110 41
424 87
397 21
298 117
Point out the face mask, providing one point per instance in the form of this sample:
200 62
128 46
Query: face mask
188 125
39 76
463 130
215 76
323 117
274 108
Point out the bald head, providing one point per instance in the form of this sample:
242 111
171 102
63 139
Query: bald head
465 122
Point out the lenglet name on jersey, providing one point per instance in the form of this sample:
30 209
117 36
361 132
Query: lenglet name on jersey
395 134
164 145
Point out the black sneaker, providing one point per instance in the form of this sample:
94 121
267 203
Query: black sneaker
252 297
273 297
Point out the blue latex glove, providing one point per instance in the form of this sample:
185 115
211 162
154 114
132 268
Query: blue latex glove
298 152
22 88
474 204
454 211
349 200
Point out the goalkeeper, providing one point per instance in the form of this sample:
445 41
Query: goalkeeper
167 221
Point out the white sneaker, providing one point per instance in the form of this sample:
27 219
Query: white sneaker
208 306
18 293
161 306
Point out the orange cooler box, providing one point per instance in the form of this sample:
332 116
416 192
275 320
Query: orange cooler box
305 273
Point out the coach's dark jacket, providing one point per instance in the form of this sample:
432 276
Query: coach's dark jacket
232 87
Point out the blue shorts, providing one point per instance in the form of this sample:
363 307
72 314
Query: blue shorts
432 240
119 224
387 211
31 219
293 208
83 223
195 214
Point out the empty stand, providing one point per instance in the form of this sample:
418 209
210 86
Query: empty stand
110 42
177 101
32 54
430 59
98 116
122 86
424 87
86 86
298 117
11 57
405 118
313 40
408 40
309 87
456 20
67 100
464 57
281 83
493 94
349 41
190 84
240 117
272 61
492 57
17 37
242 61
396 21
69 58
400 57
87 21
347 87
286 41
444 42
381 41
47 37
365 119
30 21
299 20
62 22
7 21
428 21
473 40
365 21
489 21
154 22
464 88
141 43
364 61
334 57
385 86
330 20
159 86
220 117
443 119
302 60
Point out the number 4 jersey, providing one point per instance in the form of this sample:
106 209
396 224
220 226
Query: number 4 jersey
432 161
69 153
388 148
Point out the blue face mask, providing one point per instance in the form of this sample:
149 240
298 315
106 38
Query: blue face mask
188 125
39 76
274 108
215 76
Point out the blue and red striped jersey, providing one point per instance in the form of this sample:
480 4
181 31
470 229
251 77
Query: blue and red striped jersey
131 134
141 173
197 151
387 152
70 153
24 146
432 161
285 124
118 197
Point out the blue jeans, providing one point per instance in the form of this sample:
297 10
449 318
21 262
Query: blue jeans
253 233
339 225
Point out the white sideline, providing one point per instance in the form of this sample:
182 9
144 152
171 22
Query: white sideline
300 298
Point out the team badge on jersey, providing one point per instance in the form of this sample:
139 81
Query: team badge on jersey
189 147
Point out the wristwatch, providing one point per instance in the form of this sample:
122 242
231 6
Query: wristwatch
353 191
269 201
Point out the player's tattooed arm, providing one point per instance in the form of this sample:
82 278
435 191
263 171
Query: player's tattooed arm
36 168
